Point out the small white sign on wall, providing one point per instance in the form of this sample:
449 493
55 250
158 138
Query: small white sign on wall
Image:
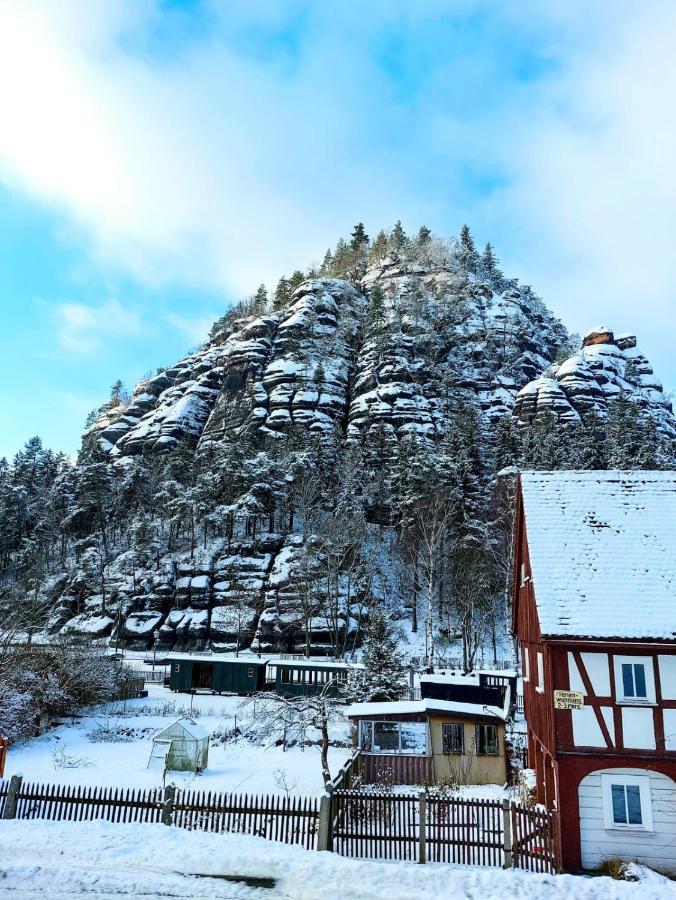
568 700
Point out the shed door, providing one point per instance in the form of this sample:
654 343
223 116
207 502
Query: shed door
202 675
158 754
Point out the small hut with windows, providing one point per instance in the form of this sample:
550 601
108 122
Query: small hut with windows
182 746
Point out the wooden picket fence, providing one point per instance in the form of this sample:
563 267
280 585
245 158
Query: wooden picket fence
356 822
430 827
292 820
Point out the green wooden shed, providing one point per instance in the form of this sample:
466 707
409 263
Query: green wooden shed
303 678
234 675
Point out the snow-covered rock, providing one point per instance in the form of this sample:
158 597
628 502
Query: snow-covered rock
605 368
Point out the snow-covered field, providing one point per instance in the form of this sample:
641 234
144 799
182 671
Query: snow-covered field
240 766
53 860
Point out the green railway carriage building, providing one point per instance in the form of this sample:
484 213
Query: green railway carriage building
303 678
222 676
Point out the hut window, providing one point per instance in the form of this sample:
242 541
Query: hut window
178 667
486 740
286 676
453 737
250 672
366 735
409 738
413 737
386 737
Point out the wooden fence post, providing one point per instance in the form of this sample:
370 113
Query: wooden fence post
168 805
422 820
507 835
324 836
12 798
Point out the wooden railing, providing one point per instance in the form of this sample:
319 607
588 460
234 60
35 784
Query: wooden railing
348 773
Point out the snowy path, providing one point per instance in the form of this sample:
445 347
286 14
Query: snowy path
52 860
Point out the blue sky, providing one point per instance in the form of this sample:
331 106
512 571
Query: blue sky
159 160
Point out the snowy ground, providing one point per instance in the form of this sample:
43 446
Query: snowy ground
52 860
240 766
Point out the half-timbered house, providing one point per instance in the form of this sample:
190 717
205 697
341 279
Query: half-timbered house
594 610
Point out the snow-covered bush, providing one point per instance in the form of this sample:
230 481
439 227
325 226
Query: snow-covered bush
39 683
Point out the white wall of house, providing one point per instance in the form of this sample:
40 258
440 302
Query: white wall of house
653 844
668 676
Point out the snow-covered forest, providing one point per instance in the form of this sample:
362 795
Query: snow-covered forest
333 448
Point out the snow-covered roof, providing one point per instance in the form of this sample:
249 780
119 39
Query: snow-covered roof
216 658
602 550
193 729
407 707
312 664
457 677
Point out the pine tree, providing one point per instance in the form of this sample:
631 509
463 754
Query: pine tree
467 255
383 677
319 375
375 312
359 237
296 280
424 235
260 301
378 249
398 239
489 269
282 294
116 394
342 260
327 264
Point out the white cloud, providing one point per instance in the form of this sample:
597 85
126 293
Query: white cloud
222 163
83 329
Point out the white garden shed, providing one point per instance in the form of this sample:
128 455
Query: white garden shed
182 746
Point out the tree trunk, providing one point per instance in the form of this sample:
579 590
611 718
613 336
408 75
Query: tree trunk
326 773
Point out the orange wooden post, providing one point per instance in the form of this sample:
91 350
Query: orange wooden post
4 744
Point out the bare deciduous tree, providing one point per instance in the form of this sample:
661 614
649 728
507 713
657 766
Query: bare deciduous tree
295 717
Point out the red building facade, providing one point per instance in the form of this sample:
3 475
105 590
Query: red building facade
609 765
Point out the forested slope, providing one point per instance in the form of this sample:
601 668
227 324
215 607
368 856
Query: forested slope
330 448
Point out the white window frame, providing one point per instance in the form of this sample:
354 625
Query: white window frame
526 663
649 668
540 683
642 782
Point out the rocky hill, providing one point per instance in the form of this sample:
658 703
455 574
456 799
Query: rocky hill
606 367
320 454
438 331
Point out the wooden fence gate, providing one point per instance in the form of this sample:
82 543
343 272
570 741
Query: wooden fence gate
434 828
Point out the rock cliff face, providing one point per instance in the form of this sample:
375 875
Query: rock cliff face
606 367
320 364
341 364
